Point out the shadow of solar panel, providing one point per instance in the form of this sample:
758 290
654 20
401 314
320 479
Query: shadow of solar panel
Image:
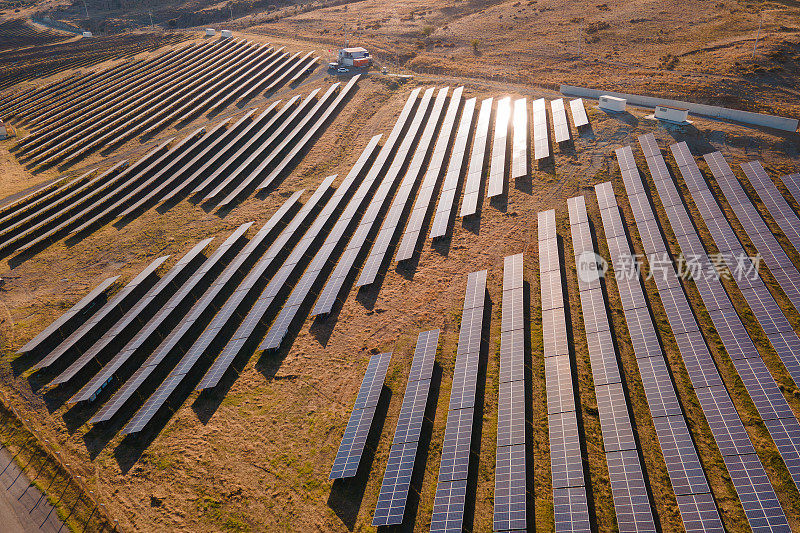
510 505
570 510
84 305
391 504
448 507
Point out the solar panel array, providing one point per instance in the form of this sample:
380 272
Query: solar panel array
121 301
190 323
776 204
761 506
768 247
792 184
449 503
677 447
541 145
84 117
472 183
579 117
631 500
382 243
560 124
419 212
355 435
333 286
71 317
80 205
497 165
758 381
519 146
510 486
325 255
569 486
447 198
397 479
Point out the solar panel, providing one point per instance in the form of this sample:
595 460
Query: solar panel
560 125
456 446
251 153
121 300
602 356
511 413
351 448
510 503
330 291
396 481
258 310
448 506
421 207
631 501
570 510
397 478
245 128
565 450
761 506
519 146
141 374
135 313
792 184
512 355
393 217
299 145
85 305
497 164
684 468
579 117
541 146
441 219
685 471
324 254
472 184
699 513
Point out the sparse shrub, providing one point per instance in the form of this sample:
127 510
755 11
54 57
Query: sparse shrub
594 27
475 44
427 30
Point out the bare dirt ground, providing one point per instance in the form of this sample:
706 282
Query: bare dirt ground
255 456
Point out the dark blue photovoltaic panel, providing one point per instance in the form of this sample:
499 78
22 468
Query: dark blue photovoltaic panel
510 488
511 413
448 507
352 446
571 510
456 446
685 472
394 491
631 502
699 513
565 450
412 412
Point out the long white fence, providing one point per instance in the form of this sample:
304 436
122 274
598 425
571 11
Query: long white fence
747 117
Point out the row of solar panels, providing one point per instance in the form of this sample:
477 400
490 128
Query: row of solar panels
233 159
40 61
630 493
108 108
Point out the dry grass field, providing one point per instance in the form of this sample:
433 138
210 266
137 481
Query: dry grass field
256 454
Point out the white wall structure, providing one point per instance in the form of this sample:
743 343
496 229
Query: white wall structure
87 34
735 115
672 114
612 103
226 34
210 32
